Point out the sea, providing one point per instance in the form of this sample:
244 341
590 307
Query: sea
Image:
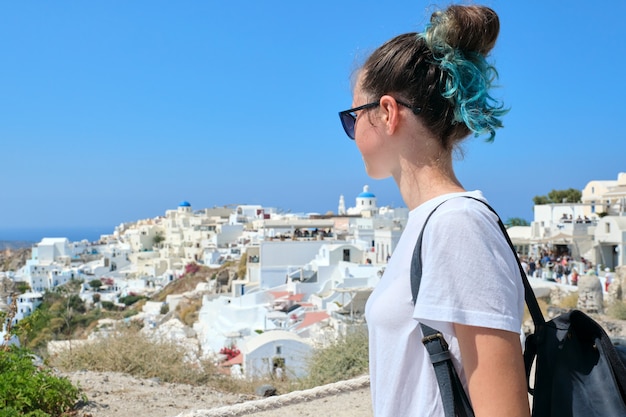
26 237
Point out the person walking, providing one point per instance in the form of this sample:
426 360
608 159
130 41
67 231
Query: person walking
415 99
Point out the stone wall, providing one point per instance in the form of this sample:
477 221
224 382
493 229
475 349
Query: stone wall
590 296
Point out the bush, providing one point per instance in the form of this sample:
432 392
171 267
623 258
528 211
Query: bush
188 312
347 358
617 310
108 305
130 351
26 390
131 299
191 268
95 284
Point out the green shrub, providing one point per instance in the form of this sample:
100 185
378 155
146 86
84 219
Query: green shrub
346 358
130 313
108 305
95 284
26 390
131 299
59 317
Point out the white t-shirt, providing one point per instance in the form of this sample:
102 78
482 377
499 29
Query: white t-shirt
470 276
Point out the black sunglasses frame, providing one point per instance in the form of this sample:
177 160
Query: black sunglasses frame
348 118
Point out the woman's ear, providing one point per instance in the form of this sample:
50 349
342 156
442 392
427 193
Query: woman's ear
390 113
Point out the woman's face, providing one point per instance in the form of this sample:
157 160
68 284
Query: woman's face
370 138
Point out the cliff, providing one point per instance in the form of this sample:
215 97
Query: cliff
13 259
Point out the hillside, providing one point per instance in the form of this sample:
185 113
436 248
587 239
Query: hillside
11 258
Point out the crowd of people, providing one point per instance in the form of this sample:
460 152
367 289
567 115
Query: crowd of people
562 268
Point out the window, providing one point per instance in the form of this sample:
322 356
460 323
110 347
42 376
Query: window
607 227
346 255
279 350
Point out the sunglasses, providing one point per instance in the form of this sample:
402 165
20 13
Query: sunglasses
348 117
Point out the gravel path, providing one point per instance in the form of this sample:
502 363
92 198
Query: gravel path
118 395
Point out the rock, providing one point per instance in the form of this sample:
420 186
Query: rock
265 391
590 298
12 259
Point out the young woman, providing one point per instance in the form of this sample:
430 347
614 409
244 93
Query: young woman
415 99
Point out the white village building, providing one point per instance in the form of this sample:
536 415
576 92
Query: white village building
277 352
49 266
593 229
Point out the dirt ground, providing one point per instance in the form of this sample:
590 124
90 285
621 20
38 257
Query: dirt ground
118 395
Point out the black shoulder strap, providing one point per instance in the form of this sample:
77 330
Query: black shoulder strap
416 267
450 386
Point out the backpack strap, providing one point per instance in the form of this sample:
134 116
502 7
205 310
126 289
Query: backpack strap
450 386
529 295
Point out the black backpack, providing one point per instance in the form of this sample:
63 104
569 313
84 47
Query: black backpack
578 372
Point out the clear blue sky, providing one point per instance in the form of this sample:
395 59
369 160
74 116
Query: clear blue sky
117 111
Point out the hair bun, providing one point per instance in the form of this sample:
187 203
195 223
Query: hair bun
469 28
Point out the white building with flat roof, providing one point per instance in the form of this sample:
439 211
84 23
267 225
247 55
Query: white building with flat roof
605 196
593 228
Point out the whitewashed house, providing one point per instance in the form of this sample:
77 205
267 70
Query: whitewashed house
605 196
49 265
277 259
248 213
275 352
593 229
26 304
225 320
610 240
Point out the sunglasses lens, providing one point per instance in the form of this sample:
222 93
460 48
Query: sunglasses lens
347 120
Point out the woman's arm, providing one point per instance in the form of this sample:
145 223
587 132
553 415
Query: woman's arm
494 366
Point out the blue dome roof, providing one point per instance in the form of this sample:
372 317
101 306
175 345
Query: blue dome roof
366 194
184 204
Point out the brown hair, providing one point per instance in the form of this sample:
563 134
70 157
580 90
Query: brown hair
408 66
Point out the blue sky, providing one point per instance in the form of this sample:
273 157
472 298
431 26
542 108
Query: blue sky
117 111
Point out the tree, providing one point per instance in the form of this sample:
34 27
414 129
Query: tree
76 303
157 239
22 287
540 200
95 284
516 221
571 195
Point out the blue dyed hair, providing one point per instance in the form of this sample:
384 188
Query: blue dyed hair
442 72
466 81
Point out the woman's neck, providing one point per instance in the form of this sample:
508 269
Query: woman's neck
420 182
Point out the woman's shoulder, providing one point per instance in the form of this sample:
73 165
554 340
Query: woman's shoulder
465 207
466 220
